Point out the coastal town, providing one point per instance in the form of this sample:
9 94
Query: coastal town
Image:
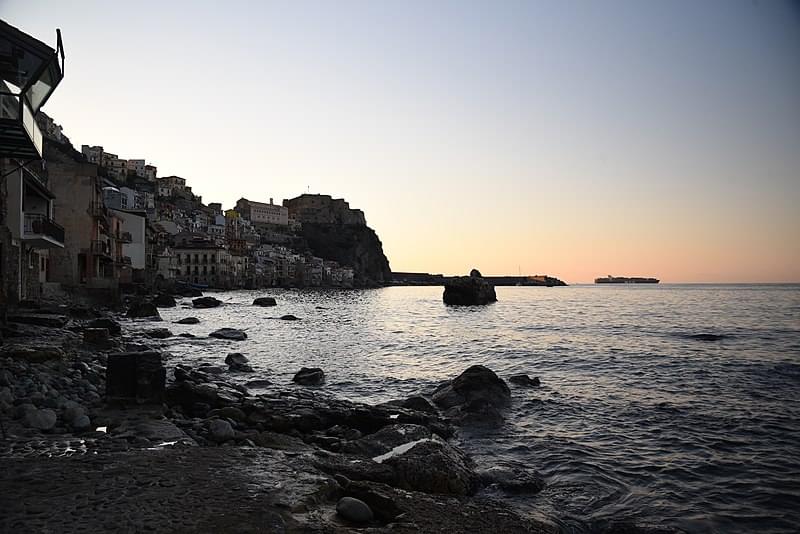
92 222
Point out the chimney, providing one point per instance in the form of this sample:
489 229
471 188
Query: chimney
270 201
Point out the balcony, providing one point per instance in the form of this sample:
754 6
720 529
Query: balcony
29 73
20 137
98 210
42 232
101 248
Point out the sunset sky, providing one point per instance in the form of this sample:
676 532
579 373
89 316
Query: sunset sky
575 138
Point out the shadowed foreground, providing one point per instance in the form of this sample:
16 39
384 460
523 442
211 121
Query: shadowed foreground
225 489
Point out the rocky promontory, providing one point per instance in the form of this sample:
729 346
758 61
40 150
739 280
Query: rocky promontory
352 245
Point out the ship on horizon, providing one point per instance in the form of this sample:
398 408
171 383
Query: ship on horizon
625 280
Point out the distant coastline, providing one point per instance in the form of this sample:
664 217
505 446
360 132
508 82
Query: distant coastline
427 279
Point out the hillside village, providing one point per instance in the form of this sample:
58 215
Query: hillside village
91 222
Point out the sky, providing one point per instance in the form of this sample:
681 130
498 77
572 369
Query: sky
569 138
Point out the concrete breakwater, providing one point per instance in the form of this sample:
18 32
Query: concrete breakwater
427 279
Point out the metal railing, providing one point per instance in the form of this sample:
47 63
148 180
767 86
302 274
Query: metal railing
39 224
14 108
100 248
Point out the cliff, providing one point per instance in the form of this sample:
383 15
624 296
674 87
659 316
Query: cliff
353 246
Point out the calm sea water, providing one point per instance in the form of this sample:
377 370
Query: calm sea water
637 419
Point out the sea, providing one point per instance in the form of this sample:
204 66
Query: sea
672 406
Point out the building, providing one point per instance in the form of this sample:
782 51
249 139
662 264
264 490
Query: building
132 238
150 172
203 263
259 212
322 209
93 154
136 166
92 254
30 220
171 185
28 77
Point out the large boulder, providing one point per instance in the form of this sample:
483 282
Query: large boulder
354 510
265 301
238 362
229 333
386 439
188 291
432 466
206 302
309 376
164 301
142 309
221 431
476 396
469 290
476 384
40 419
95 336
113 327
158 333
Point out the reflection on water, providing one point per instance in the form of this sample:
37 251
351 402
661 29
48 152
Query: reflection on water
668 404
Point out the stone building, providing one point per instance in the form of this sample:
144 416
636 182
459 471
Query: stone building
323 209
92 252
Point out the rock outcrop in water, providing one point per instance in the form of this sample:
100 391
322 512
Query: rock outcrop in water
469 290
474 396
351 245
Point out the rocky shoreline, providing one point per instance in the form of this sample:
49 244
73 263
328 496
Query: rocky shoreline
77 453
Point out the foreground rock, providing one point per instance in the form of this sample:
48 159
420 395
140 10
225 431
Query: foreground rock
515 479
96 336
476 395
188 320
238 362
188 291
142 309
43 419
164 301
52 321
469 290
432 466
525 380
289 317
354 510
309 376
265 301
206 302
113 327
158 333
229 333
